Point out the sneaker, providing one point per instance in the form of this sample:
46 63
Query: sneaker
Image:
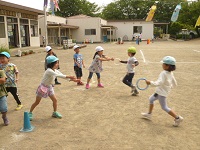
19 107
135 93
178 121
30 115
87 86
146 115
56 115
5 120
133 89
100 85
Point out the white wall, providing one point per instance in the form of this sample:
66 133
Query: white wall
34 41
4 42
126 28
86 23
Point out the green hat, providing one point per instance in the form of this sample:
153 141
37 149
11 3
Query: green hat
169 60
51 59
132 50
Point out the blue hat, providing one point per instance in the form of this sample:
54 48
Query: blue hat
169 60
5 54
51 59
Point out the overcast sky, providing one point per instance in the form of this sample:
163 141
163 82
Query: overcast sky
38 4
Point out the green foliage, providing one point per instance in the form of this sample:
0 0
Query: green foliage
76 7
4 49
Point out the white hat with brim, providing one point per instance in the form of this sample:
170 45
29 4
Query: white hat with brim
48 48
76 46
99 48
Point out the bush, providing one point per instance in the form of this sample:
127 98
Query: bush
4 49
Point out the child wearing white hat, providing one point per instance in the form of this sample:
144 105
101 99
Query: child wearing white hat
96 66
164 83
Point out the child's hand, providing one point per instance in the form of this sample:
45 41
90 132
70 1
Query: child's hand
133 65
16 80
112 59
148 82
75 80
83 66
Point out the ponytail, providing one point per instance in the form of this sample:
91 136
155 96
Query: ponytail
95 55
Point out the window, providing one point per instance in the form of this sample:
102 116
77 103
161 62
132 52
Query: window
34 28
90 31
108 32
2 27
137 29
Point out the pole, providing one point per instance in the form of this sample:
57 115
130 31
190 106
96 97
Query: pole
45 25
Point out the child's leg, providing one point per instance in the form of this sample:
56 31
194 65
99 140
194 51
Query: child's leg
89 77
55 113
13 91
163 103
98 78
54 100
152 98
5 119
128 79
37 101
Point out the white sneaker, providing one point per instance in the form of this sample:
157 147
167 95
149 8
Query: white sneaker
178 121
146 115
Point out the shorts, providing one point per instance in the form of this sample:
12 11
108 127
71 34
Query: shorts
3 104
78 71
44 91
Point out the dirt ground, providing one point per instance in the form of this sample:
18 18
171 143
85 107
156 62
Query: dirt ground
108 118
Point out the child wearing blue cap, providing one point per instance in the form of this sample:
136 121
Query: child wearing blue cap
45 89
12 74
164 83
3 99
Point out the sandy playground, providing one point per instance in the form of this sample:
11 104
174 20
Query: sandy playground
108 118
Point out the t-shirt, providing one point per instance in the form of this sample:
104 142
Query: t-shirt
131 61
50 75
10 70
3 91
96 65
79 59
164 83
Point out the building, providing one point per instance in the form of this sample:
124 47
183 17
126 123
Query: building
57 29
91 29
127 29
19 25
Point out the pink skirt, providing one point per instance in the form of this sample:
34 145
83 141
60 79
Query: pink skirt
44 91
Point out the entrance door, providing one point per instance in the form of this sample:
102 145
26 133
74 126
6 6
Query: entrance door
13 38
25 39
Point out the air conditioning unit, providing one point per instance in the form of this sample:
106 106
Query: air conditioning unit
18 15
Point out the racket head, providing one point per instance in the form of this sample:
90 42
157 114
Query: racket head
141 84
117 61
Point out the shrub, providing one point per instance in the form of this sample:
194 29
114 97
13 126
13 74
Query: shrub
4 49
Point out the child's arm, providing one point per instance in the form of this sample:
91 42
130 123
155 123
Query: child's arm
83 64
124 62
105 58
158 82
16 74
136 63
2 80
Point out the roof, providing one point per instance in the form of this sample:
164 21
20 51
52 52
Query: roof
126 20
81 16
8 4
61 25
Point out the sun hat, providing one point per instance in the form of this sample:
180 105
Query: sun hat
169 60
132 50
99 48
5 54
51 59
48 48
76 46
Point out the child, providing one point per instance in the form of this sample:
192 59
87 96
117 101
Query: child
96 66
78 64
131 63
45 89
11 72
3 100
164 83
49 53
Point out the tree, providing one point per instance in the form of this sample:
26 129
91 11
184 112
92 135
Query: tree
77 7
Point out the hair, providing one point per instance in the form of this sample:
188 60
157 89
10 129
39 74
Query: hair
133 54
171 67
51 64
95 55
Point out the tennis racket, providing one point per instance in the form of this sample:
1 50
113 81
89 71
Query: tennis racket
141 84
